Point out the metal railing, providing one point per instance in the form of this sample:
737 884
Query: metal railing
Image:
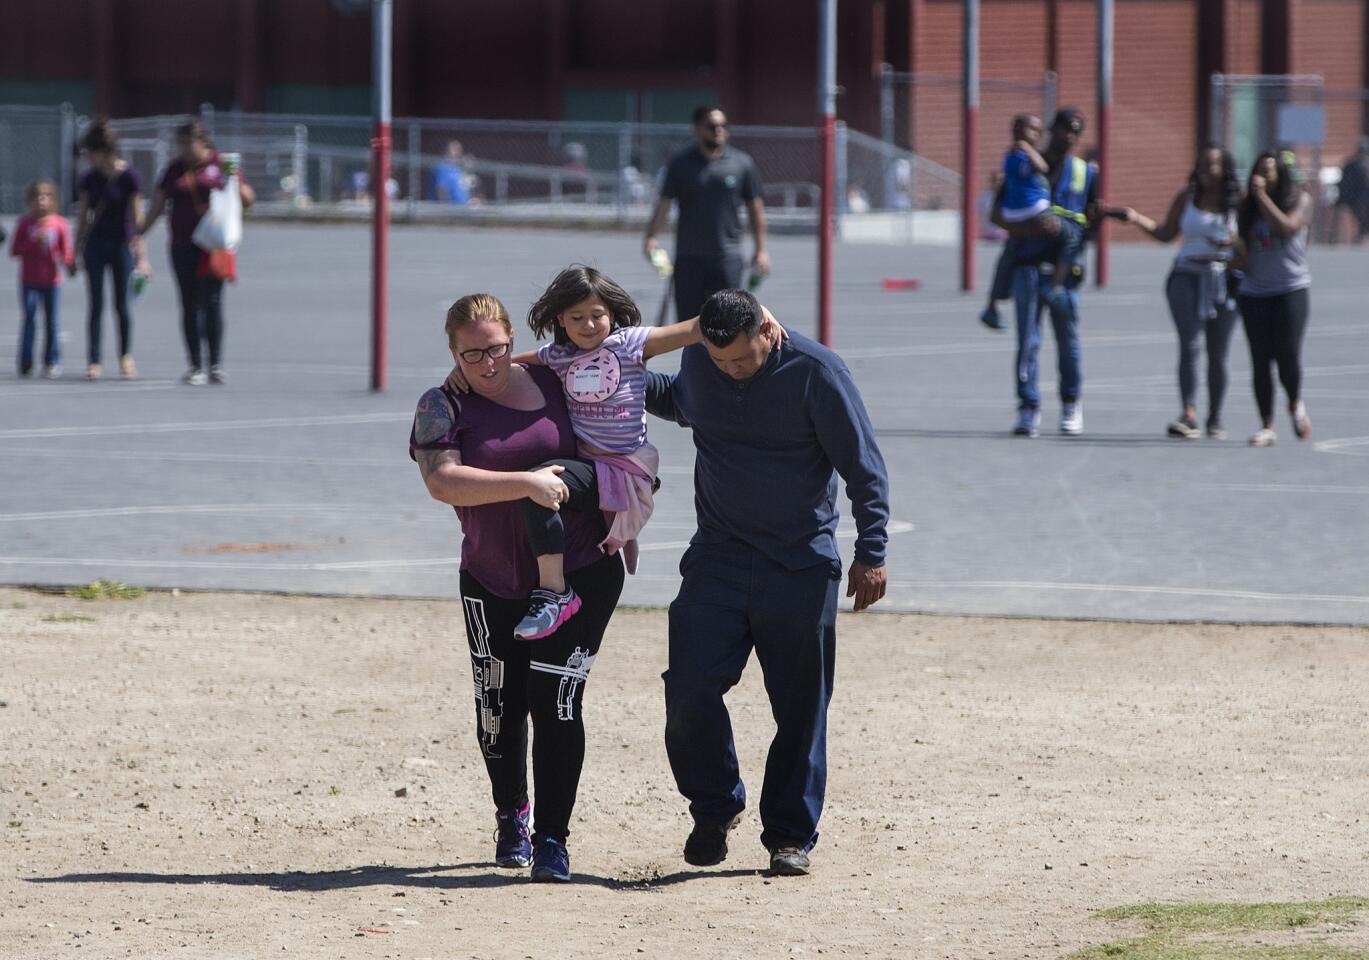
319 165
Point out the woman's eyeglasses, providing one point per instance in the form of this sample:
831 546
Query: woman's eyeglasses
493 352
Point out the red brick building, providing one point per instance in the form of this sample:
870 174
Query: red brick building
655 59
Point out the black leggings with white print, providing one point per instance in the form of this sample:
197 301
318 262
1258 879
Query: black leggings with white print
540 679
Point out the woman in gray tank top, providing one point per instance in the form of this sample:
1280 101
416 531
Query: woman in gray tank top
1273 224
1203 213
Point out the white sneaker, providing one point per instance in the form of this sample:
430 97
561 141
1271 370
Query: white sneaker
194 377
1072 418
1028 423
1264 437
217 374
53 372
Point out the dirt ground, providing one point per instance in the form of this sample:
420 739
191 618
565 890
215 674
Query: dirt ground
215 775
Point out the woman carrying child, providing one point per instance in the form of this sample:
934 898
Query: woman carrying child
481 452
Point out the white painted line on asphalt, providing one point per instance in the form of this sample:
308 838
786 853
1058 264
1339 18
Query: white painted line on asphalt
1127 588
1349 446
341 566
207 457
348 511
1293 487
79 389
201 426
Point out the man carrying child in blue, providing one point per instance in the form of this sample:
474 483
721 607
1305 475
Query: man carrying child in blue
1042 265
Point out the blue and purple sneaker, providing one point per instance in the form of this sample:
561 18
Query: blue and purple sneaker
512 842
550 861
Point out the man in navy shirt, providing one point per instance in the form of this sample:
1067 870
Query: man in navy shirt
711 181
775 420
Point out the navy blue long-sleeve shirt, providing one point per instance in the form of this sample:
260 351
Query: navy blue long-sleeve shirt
769 450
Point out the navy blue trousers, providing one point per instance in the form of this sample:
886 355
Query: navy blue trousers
734 599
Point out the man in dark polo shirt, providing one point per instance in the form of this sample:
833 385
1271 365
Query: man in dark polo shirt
710 181
775 422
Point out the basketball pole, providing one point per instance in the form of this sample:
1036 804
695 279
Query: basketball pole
970 89
827 136
380 182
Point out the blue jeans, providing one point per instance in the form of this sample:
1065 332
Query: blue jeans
118 259
50 298
1026 287
733 599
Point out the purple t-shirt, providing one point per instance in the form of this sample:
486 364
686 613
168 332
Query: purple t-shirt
493 437
109 198
606 388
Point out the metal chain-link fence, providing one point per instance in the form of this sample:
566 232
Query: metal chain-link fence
1323 128
319 166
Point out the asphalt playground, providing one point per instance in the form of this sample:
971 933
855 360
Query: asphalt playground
295 477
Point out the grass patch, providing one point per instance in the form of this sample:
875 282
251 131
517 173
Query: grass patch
106 590
1192 931
68 618
1222 917
1155 949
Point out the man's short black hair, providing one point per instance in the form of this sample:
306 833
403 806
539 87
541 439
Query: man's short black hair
728 313
701 113
1071 118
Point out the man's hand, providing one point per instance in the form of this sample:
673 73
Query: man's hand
761 261
866 584
649 243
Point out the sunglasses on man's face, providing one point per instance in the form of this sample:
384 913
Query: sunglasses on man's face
494 352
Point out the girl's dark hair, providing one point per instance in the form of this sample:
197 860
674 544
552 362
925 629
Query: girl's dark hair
194 130
101 136
1231 184
1284 193
575 283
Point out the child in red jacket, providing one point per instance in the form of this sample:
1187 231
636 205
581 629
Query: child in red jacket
42 242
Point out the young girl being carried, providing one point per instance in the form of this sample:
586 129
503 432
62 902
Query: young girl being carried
599 351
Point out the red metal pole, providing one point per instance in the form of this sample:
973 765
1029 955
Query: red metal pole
1105 46
380 184
380 251
969 176
827 160
1104 150
828 175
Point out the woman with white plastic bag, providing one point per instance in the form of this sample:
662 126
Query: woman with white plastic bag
207 195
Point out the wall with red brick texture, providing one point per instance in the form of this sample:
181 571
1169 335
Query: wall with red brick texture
1242 36
1328 38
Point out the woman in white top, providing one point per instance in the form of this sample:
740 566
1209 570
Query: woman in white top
1204 214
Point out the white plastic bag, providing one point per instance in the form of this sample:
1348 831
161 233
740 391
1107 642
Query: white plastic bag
221 226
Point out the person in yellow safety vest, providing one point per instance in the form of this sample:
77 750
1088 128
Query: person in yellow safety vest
1074 197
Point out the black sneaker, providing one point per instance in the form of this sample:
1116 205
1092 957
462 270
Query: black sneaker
550 861
991 319
1183 428
789 862
512 844
707 843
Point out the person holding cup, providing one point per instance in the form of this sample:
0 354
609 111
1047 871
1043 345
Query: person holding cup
186 184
